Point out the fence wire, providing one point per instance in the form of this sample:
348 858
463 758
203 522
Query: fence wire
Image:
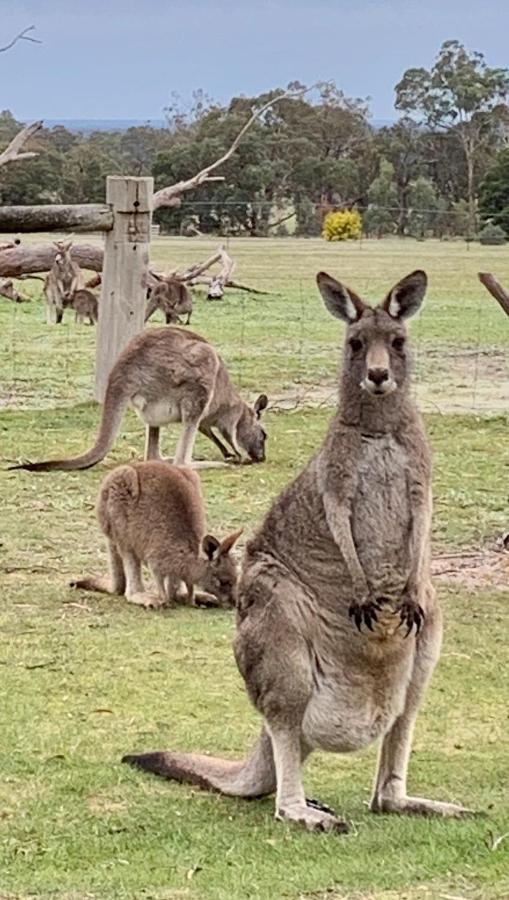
283 344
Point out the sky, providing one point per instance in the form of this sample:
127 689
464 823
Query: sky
123 59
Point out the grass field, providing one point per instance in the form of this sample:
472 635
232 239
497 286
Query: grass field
84 679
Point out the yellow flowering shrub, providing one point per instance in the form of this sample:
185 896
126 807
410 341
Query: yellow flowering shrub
342 226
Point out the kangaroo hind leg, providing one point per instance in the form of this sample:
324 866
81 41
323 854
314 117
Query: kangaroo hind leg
390 790
114 583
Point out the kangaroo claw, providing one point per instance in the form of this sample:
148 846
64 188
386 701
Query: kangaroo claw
412 615
364 614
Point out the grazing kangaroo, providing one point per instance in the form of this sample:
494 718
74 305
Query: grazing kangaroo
338 626
85 306
173 298
153 513
64 278
173 375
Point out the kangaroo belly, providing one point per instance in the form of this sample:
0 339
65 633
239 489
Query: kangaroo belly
381 516
349 710
156 412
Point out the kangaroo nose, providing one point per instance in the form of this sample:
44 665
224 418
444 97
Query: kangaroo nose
378 376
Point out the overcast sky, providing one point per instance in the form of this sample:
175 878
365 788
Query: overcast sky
122 59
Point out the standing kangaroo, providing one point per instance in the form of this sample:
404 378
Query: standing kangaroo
173 375
338 626
173 298
64 278
153 513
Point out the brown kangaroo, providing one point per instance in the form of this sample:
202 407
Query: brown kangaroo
173 298
85 305
338 626
153 513
64 278
173 375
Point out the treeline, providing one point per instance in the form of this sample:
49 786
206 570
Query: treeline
439 170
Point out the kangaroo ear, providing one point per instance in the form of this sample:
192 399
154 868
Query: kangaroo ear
406 297
228 542
260 405
339 300
211 546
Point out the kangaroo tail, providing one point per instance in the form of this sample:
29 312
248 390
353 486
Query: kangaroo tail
252 777
115 402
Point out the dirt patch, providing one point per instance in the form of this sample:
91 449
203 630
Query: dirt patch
475 569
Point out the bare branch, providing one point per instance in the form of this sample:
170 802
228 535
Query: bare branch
12 152
22 36
8 290
170 196
496 290
197 269
219 282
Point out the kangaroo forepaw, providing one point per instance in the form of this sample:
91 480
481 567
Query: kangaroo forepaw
312 818
410 614
364 614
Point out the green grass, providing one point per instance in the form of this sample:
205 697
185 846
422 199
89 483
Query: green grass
83 679
286 343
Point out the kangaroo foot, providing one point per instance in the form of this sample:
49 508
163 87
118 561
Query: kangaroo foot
312 818
322 807
418 806
145 599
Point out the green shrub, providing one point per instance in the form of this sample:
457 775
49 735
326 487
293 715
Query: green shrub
492 234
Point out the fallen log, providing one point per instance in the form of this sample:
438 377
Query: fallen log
26 259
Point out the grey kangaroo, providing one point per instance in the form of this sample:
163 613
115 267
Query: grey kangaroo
153 513
338 626
173 375
64 278
173 298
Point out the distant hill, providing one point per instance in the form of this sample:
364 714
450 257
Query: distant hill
86 126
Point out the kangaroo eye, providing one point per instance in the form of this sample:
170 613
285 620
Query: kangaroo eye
398 343
355 345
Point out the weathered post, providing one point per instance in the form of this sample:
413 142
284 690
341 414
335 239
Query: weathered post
125 271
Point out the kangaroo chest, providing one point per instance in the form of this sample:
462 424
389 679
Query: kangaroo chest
381 513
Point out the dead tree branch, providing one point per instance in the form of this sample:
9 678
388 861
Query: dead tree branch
195 274
12 152
22 36
170 196
8 290
495 289
197 268
219 281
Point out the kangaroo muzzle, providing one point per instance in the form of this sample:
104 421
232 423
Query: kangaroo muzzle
378 379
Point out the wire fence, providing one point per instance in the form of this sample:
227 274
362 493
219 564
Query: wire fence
284 343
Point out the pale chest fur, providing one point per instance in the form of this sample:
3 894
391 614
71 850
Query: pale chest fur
381 514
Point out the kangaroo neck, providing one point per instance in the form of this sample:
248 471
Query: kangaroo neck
374 415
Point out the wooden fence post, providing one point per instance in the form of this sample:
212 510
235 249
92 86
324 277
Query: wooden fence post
124 280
